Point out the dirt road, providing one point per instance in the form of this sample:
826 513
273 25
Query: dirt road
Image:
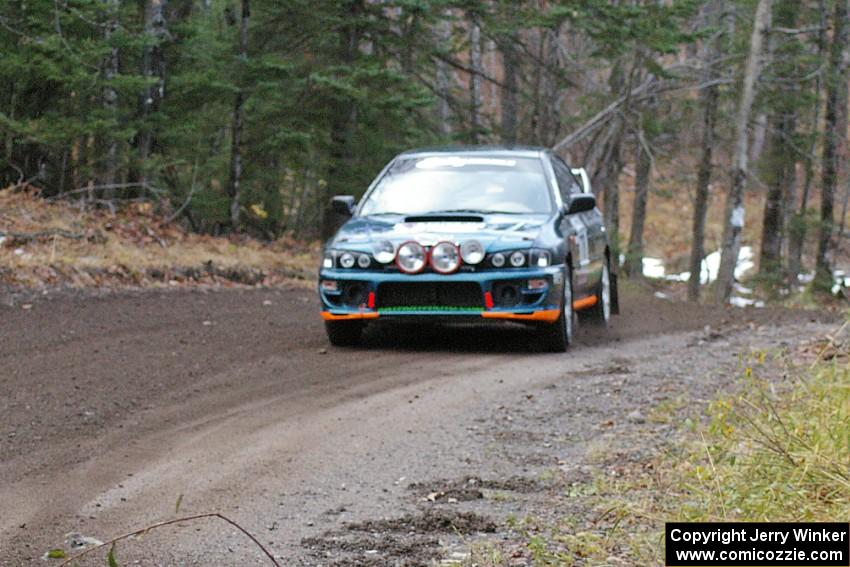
112 408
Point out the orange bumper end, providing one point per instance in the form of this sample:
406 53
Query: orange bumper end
328 316
547 316
585 302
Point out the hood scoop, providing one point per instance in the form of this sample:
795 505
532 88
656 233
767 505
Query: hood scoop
443 217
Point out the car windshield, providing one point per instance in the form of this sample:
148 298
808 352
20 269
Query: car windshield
419 185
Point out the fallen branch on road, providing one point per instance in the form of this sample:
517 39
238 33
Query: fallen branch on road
142 531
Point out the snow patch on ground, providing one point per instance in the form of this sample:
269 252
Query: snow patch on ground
654 268
842 280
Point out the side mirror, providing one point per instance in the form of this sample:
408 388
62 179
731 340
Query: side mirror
343 205
581 203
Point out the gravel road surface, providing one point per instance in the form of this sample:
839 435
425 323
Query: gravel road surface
402 452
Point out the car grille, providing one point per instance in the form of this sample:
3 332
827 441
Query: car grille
434 295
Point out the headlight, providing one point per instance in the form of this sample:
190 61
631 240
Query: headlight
328 262
363 261
411 257
346 260
517 259
472 252
540 258
445 258
384 252
498 260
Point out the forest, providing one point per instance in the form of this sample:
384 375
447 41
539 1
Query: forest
246 116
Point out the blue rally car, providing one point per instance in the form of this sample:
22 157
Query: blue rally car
464 234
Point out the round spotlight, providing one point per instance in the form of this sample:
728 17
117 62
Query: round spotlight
498 260
384 252
517 259
347 260
363 261
411 257
445 258
472 252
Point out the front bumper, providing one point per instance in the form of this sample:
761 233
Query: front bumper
367 295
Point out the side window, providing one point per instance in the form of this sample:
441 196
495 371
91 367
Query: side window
567 184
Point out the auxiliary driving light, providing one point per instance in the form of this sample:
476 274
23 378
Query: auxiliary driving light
472 252
445 258
330 285
411 257
384 251
536 284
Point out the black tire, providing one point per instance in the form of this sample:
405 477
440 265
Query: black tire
615 295
600 314
558 336
344 333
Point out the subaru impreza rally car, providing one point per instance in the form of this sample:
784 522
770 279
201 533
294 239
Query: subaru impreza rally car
477 233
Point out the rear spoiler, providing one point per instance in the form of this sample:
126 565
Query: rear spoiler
581 173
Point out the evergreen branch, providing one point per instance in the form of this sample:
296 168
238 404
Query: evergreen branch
58 25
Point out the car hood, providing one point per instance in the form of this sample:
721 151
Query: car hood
495 232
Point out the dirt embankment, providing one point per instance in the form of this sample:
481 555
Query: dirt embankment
57 244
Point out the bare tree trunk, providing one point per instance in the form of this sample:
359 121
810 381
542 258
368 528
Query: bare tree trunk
612 167
797 222
710 101
235 184
475 79
759 136
344 123
735 200
110 98
607 171
634 255
834 144
509 90
536 119
443 79
10 133
780 172
843 215
153 67
550 123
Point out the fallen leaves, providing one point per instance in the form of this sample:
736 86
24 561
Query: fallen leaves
52 244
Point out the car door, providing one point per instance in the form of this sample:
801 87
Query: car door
583 228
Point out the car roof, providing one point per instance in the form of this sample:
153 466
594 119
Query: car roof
515 151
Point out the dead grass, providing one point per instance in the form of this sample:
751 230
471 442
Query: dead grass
61 244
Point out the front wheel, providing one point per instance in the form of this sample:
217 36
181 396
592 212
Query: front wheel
344 333
600 313
558 336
